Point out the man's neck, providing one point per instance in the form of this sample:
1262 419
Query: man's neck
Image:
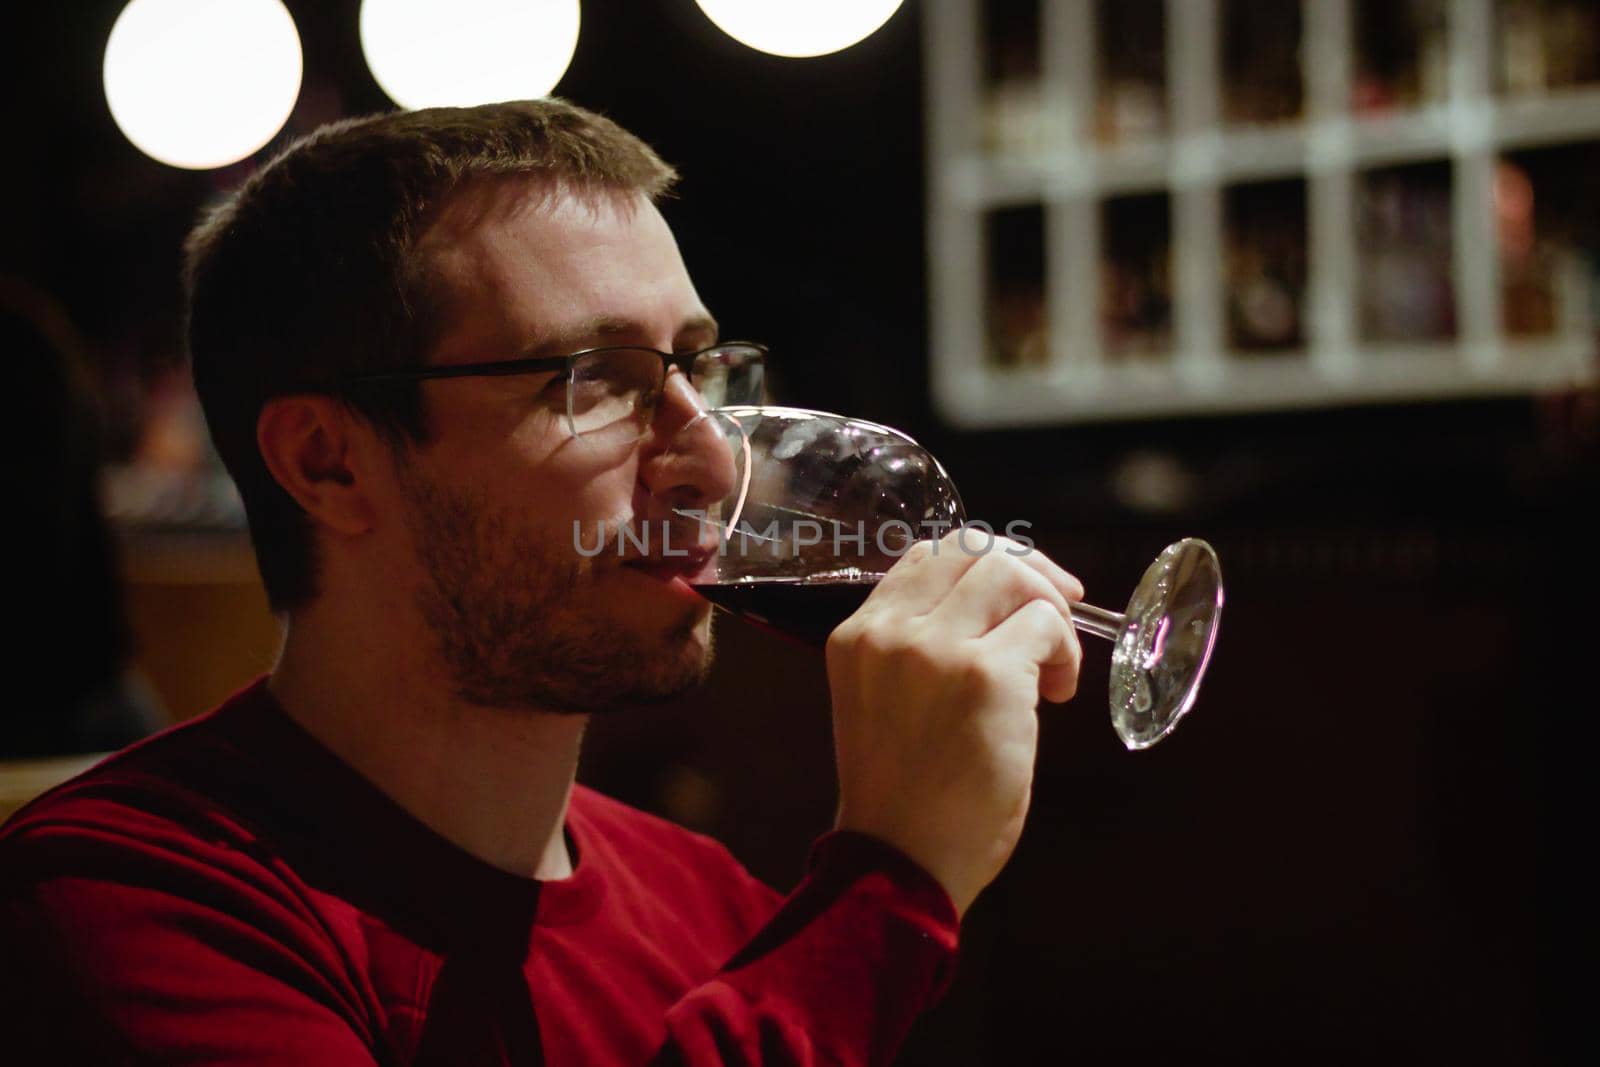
494 782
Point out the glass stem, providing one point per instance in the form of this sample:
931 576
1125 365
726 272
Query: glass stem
1097 621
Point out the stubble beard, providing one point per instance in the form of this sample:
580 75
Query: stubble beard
517 619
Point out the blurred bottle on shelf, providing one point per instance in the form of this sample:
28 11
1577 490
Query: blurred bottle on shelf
1522 66
1266 265
1017 318
1130 71
1013 98
1546 45
1018 328
1572 43
1402 59
1261 46
1549 237
1404 243
1528 300
1013 120
1136 278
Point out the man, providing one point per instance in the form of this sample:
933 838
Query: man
378 854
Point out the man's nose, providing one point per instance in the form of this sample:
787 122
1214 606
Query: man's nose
688 458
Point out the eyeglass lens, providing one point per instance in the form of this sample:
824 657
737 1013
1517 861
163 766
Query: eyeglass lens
618 388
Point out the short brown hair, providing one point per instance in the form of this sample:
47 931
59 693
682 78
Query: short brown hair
309 273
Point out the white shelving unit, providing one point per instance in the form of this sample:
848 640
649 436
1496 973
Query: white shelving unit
1198 159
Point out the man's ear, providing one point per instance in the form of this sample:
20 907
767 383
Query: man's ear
323 457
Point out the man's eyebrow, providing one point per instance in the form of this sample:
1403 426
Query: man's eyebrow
607 329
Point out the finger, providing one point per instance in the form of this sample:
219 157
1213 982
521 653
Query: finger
1057 684
1052 571
1038 635
991 590
921 578
979 541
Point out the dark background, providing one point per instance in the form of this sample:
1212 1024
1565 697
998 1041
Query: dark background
1351 850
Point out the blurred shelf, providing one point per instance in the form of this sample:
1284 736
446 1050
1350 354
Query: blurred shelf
1032 318
977 180
1218 383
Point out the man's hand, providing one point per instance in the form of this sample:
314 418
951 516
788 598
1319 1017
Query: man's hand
935 682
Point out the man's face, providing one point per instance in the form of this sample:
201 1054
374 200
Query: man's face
520 618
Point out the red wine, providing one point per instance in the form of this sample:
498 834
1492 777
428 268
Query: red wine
804 610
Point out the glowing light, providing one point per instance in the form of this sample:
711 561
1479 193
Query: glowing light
799 28
457 53
202 83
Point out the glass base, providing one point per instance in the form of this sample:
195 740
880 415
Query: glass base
1162 651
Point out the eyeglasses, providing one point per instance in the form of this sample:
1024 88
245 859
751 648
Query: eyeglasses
618 388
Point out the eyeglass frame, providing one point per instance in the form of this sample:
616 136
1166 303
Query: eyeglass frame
506 368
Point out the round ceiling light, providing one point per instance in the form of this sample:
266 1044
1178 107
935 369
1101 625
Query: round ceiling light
202 83
457 53
799 28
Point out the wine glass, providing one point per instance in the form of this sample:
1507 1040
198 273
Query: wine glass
822 505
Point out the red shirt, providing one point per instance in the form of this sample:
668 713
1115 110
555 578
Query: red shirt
230 892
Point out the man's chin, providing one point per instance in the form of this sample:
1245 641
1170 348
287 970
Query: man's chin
611 647
664 664
691 646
